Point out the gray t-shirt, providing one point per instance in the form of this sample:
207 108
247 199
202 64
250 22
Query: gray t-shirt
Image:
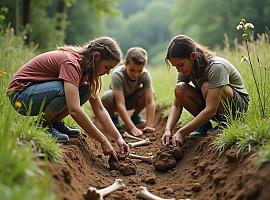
218 72
121 81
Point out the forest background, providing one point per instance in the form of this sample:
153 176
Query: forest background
147 23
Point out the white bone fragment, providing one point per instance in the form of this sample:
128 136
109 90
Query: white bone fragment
139 143
94 194
127 135
148 159
145 194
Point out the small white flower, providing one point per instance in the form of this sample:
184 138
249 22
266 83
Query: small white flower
244 59
239 27
248 25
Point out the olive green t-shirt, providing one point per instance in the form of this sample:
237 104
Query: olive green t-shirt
121 81
218 72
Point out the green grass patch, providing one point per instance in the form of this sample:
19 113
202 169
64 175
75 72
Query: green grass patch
21 143
253 130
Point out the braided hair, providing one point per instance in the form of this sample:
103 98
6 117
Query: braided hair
108 49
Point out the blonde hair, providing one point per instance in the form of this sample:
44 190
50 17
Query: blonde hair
108 49
136 54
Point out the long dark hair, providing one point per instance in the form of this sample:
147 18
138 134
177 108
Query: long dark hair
108 49
181 46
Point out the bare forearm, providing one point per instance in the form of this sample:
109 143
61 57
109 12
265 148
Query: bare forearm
150 114
105 120
125 117
173 118
83 120
202 118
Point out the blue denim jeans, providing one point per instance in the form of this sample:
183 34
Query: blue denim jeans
47 95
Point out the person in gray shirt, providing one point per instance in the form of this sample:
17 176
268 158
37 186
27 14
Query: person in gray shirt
217 89
131 88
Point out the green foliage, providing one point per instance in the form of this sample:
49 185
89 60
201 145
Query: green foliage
47 25
146 28
262 81
130 8
207 21
3 11
83 24
253 130
20 141
244 134
264 154
103 7
18 172
86 19
46 36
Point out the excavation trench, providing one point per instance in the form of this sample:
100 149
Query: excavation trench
200 173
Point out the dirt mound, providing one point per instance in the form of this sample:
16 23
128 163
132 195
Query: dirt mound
124 165
167 157
200 173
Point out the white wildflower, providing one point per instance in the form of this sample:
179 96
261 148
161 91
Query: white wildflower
244 59
239 27
248 25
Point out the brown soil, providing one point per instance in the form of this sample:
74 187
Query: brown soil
198 173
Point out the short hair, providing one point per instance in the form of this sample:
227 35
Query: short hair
137 55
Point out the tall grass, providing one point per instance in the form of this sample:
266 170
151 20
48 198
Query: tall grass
253 130
20 141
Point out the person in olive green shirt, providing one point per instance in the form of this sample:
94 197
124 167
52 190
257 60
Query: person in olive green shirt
218 89
131 88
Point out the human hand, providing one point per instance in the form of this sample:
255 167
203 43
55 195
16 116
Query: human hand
136 132
165 139
124 148
148 129
108 149
177 139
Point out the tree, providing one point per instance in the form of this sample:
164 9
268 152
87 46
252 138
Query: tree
44 21
207 21
146 28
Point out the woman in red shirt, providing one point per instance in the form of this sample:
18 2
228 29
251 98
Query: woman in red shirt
57 83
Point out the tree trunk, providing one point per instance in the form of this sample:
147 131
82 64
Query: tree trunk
17 17
61 14
27 20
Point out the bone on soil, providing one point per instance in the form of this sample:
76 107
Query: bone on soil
94 194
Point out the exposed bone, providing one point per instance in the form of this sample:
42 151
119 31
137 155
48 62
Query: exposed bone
145 194
94 194
127 135
148 159
139 143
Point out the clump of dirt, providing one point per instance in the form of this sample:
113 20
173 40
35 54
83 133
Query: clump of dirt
167 157
124 165
91 194
199 173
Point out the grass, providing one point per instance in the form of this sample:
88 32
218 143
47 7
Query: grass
18 171
21 143
253 130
